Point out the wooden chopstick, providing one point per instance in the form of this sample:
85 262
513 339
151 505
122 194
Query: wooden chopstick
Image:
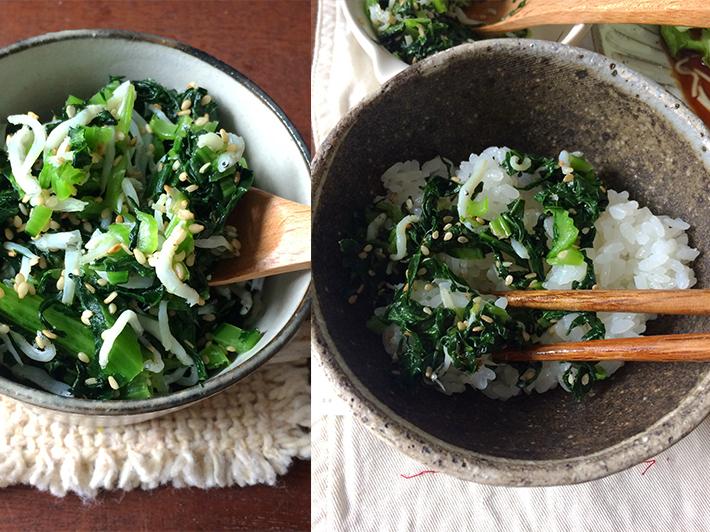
687 302
693 347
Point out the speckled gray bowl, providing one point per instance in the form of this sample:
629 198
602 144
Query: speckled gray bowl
37 74
542 97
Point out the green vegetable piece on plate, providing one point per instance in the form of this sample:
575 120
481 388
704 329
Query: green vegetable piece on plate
230 335
39 218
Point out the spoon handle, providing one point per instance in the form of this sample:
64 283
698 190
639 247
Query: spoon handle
686 302
695 13
662 348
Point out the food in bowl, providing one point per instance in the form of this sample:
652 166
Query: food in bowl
415 29
115 210
433 249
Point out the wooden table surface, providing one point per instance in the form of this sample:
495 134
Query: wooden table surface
269 41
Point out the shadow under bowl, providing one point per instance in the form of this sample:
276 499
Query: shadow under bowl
539 97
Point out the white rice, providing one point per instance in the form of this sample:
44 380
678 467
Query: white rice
633 248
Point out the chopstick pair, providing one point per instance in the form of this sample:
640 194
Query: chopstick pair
690 347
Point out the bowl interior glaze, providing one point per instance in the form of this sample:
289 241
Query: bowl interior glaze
538 97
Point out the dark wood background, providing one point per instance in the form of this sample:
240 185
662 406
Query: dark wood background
270 42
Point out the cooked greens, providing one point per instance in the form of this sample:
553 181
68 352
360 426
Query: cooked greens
408 248
415 29
680 38
114 215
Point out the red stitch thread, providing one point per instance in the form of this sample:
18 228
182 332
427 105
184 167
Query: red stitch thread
650 463
417 474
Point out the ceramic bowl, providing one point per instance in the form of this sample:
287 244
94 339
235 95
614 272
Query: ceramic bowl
386 65
78 62
540 97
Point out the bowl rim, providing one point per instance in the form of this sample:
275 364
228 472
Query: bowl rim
447 458
42 399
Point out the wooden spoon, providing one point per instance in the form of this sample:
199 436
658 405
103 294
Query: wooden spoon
501 16
275 236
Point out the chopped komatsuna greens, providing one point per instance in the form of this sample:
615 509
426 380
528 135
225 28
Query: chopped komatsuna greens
415 29
114 214
679 38
433 250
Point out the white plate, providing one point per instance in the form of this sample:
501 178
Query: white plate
641 47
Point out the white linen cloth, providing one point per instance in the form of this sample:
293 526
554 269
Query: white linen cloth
358 480
248 434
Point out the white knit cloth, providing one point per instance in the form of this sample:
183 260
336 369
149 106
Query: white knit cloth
247 435
359 482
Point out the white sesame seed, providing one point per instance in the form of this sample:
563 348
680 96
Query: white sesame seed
183 176
206 99
192 188
231 349
202 120
22 290
71 111
112 308
90 288
477 328
352 299
568 178
186 104
101 281
140 256
508 280
90 381
49 334
86 316
427 310
83 357
425 250
204 167
367 248
9 235
585 379
209 317
23 209
113 383
486 318
176 165
4 328
531 275
448 236
462 239
183 113
39 341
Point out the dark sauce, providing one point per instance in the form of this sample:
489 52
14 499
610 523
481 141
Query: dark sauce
694 79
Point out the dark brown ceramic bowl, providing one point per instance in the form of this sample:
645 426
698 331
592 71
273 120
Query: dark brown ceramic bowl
539 97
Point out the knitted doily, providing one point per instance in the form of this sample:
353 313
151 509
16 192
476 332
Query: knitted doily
247 435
